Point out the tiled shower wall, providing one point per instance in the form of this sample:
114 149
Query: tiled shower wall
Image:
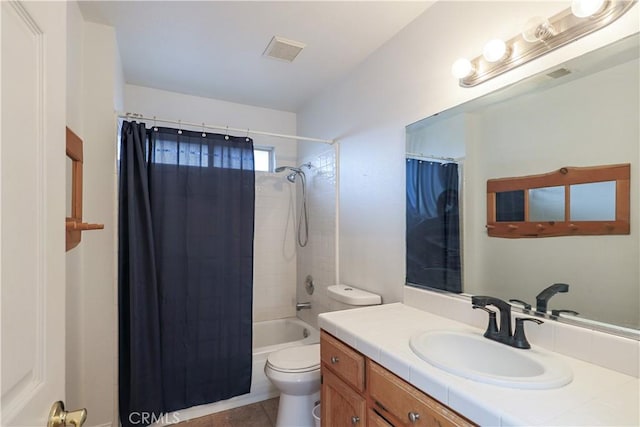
274 248
318 258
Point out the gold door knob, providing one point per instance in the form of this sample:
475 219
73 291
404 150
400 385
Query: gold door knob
58 417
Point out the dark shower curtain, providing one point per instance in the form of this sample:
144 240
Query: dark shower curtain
200 193
433 225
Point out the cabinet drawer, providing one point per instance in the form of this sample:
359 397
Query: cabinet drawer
347 363
375 420
404 404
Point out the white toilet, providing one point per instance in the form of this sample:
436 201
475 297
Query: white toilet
295 371
344 297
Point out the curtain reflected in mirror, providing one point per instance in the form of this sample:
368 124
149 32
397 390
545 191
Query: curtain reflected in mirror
510 206
433 225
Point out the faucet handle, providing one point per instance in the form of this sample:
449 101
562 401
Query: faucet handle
519 339
492 327
526 305
556 313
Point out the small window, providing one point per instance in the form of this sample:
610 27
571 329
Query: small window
263 159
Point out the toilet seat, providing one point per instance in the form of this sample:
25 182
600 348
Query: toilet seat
303 358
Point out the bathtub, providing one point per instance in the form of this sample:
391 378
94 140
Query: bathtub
272 335
268 336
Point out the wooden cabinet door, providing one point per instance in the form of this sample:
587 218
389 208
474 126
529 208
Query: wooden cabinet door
341 405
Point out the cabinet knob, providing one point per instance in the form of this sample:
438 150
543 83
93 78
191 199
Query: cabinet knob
413 416
334 359
355 420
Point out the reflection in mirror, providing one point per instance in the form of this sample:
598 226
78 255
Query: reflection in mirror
595 201
510 206
546 204
433 225
587 117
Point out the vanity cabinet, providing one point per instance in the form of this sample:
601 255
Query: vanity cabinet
347 363
341 405
357 391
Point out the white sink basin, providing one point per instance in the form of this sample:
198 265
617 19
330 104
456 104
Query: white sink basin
475 357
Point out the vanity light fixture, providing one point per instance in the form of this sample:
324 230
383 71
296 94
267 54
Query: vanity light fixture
538 29
495 50
540 36
586 8
462 68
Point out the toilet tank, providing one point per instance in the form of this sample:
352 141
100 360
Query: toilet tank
343 297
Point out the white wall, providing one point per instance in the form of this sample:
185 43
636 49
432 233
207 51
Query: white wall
274 284
443 138
91 343
75 289
405 80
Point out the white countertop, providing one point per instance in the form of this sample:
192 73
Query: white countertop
596 396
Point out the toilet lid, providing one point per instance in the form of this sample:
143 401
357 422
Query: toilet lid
296 359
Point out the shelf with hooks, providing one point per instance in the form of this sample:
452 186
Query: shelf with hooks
570 201
74 225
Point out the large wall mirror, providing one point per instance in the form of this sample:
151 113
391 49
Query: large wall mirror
582 113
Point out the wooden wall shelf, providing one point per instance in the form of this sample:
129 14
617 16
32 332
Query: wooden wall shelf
522 222
74 224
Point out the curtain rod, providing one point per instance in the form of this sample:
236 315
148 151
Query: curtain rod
138 116
430 157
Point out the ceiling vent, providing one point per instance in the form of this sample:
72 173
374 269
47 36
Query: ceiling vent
283 49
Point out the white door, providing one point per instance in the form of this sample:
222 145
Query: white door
32 209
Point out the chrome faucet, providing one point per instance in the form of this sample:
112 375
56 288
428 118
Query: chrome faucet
303 305
543 297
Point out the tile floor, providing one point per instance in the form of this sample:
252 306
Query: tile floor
260 414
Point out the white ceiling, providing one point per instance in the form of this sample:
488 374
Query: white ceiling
214 48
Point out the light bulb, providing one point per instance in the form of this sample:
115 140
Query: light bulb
494 50
586 8
538 29
462 68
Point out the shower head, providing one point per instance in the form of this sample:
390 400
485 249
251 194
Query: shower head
281 168
294 172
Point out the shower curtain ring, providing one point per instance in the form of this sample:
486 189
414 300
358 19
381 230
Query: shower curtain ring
155 128
226 137
179 127
204 134
247 138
